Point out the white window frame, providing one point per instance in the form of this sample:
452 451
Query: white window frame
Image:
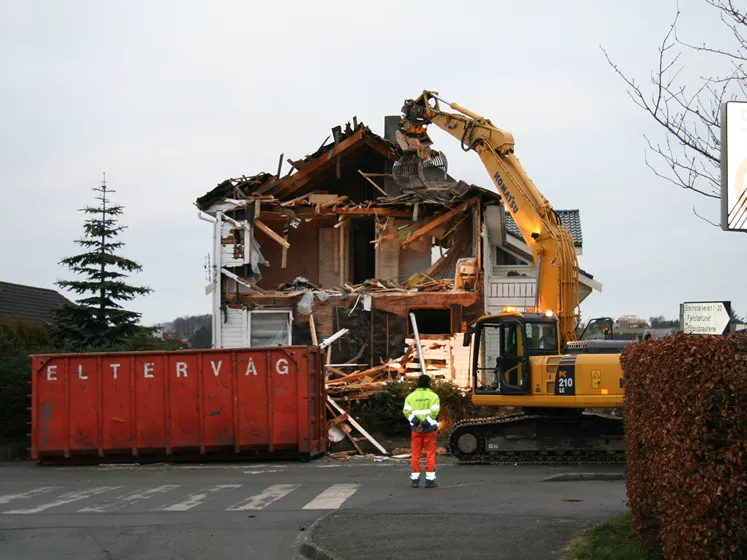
265 311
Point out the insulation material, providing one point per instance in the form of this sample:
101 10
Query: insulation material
306 305
256 259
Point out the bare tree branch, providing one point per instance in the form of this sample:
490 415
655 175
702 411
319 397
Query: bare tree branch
705 219
688 111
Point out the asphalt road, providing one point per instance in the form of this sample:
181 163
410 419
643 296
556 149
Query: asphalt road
261 510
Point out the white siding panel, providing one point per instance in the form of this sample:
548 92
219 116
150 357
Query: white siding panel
234 329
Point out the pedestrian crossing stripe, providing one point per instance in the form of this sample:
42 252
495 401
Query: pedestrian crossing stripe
114 498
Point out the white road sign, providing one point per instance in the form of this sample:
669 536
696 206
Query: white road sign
734 166
705 317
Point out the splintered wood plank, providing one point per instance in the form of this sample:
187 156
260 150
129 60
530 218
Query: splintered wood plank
312 328
343 260
284 258
359 375
357 426
434 223
274 236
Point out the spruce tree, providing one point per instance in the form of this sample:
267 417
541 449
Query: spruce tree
98 319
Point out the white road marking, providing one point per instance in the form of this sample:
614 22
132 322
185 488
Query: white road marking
129 499
265 498
333 497
31 493
66 499
196 499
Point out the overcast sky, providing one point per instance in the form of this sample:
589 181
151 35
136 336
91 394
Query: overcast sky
169 98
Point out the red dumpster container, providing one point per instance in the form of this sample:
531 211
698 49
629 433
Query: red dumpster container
166 406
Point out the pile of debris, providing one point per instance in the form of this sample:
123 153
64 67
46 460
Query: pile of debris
362 384
359 385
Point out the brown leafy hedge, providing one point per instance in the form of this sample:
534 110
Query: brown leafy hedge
686 444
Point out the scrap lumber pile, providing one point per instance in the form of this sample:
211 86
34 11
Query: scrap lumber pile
359 385
362 384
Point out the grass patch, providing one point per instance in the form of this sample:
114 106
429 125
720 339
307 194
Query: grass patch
613 539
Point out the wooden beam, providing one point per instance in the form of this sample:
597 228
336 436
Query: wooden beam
374 212
367 178
357 426
293 201
312 328
343 260
295 164
438 221
284 257
394 234
274 236
343 427
445 261
337 420
286 187
337 200
360 375
335 252
280 167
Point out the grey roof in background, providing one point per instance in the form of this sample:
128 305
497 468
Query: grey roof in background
570 218
28 303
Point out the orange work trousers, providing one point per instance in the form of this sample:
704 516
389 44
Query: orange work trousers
419 441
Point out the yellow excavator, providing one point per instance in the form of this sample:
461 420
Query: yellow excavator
530 360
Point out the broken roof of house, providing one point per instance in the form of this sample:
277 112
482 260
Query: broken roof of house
355 145
306 173
28 303
570 218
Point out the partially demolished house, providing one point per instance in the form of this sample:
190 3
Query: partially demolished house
334 243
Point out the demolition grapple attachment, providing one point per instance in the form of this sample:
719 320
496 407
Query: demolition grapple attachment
413 172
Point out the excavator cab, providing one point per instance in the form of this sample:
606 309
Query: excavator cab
502 346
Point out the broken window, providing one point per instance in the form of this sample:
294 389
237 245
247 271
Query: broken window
269 328
432 321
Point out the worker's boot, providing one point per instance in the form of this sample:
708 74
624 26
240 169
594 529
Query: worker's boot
430 483
415 482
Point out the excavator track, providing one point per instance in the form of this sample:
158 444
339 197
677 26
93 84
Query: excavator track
539 439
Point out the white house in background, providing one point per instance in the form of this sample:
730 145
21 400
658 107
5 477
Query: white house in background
510 272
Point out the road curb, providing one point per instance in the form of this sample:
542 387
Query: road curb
575 477
308 549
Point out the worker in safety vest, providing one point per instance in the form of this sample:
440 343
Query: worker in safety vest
421 410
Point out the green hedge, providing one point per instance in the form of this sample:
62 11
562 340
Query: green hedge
686 444
17 341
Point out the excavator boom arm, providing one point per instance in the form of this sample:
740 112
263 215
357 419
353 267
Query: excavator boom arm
549 241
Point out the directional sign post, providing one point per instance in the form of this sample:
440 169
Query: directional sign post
706 317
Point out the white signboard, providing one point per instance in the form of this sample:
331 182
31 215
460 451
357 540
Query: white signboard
734 166
708 317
